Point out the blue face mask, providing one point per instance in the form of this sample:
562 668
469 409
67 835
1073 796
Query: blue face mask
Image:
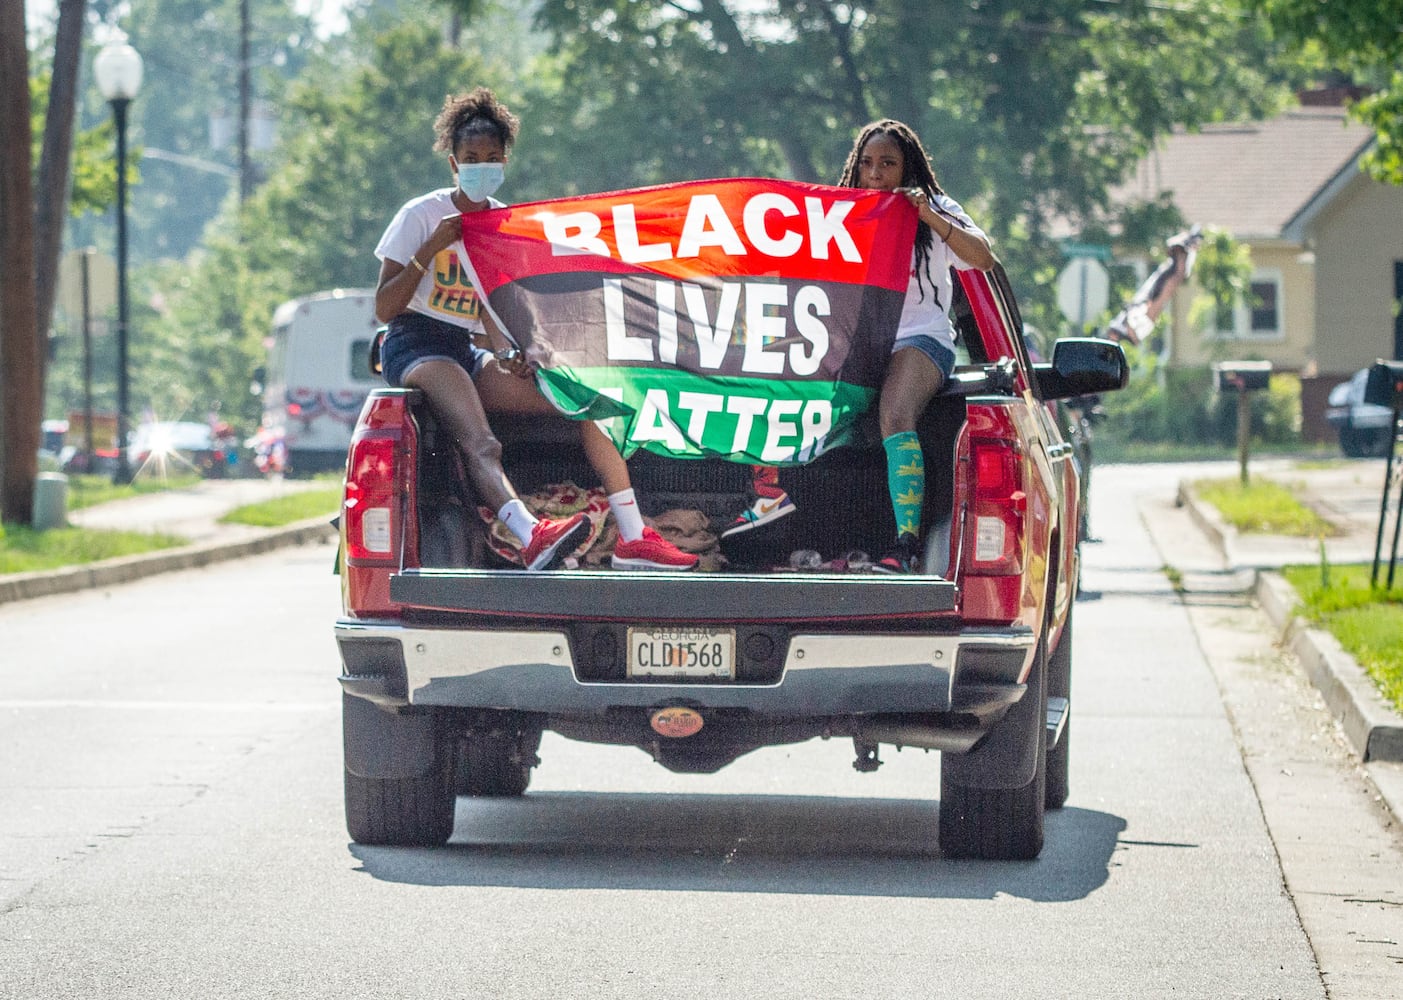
479 181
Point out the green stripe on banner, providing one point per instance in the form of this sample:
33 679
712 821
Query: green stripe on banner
682 415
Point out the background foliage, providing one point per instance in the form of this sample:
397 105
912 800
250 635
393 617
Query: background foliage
1031 110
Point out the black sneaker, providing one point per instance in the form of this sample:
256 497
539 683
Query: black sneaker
902 557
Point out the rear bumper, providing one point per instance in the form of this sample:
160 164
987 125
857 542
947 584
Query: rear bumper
823 674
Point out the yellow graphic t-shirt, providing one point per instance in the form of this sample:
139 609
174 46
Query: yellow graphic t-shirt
444 291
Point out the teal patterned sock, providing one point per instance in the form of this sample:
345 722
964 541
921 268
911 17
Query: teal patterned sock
906 480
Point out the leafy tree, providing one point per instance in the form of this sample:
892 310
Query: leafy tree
358 144
1362 40
191 51
1005 94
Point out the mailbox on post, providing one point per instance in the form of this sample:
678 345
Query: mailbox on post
1242 377
1384 387
1385 384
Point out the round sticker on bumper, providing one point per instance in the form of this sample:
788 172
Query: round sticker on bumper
676 722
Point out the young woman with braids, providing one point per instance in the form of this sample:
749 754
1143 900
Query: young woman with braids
434 317
888 156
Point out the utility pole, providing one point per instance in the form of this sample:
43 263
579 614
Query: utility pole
245 104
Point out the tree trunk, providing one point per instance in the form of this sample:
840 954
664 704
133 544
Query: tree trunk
55 160
20 398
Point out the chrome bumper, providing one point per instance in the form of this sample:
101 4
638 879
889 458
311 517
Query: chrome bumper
823 674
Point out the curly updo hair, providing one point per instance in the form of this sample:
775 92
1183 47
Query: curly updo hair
468 115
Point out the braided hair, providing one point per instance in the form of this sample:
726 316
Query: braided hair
468 115
916 171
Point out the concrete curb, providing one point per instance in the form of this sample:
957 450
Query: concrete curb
1220 534
109 572
1372 726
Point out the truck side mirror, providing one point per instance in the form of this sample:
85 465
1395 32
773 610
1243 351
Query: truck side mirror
1082 366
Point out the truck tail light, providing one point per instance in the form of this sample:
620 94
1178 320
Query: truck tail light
998 504
369 513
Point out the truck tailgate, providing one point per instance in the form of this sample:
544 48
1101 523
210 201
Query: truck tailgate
663 597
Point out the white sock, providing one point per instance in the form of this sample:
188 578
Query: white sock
518 519
626 515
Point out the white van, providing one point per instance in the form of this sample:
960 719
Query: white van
318 375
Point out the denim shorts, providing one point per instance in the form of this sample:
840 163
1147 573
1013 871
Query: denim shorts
415 338
940 354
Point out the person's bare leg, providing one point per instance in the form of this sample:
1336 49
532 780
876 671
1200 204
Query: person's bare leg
911 383
502 392
455 401
912 380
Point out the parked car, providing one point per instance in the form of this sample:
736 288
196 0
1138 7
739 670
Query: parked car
175 445
1364 429
453 665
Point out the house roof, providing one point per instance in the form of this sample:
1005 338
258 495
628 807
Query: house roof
1253 179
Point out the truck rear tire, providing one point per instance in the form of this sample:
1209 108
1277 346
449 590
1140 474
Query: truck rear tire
1001 824
408 809
399 812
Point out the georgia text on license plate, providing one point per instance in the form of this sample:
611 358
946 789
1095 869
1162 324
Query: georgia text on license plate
681 652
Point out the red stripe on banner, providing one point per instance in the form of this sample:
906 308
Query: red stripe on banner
702 230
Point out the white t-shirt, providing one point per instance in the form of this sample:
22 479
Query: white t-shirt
924 312
444 291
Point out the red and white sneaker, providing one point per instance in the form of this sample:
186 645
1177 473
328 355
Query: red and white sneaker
551 541
652 551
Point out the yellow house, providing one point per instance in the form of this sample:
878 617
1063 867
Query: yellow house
1326 244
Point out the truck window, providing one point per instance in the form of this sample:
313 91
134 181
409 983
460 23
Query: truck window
359 366
969 347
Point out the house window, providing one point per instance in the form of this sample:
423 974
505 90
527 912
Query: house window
1264 312
1257 315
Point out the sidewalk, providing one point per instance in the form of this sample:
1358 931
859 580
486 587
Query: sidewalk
190 512
1348 494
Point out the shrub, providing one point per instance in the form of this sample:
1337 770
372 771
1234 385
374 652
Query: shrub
1180 405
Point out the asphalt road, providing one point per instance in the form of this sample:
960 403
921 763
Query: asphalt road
170 825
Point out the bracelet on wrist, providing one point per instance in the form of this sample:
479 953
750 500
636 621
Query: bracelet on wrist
415 261
508 353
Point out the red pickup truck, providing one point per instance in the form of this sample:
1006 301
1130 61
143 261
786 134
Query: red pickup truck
455 664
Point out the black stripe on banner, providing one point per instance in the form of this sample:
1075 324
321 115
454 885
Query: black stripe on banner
809 330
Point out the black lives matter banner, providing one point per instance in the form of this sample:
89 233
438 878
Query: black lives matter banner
743 319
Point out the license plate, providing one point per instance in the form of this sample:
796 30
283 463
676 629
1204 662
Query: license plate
682 652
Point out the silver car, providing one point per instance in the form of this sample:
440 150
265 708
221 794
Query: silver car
1364 428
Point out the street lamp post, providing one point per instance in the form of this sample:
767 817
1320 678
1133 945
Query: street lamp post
118 71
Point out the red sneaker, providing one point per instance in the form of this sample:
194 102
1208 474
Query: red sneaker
652 551
552 541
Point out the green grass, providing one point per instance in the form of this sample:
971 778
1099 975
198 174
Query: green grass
1110 451
24 550
90 490
288 509
1367 621
1263 506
